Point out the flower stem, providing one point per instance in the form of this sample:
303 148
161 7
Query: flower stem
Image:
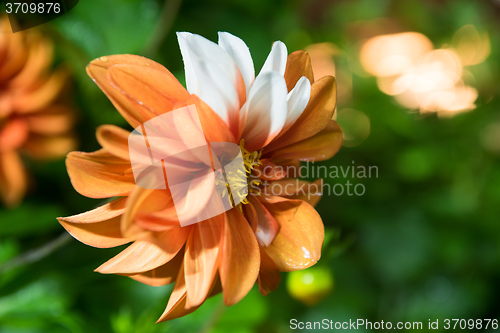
162 28
37 254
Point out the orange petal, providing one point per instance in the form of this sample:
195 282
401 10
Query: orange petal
320 147
171 240
157 222
314 118
295 189
43 95
98 70
102 234
177 303
43 147
13 134
270 171
251 216
269 275
161 275
240 260
137 258
15 57
210 121
99 174
114 139
39 59
140 202
150 91
291 167
298 64
298 244
267 227
99 227
202 258
105 212
13 180
54 120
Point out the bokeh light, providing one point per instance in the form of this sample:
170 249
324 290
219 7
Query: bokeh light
419 77
355 125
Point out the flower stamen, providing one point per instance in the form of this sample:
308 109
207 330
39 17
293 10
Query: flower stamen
242 182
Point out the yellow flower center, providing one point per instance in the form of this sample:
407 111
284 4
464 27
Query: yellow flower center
243 183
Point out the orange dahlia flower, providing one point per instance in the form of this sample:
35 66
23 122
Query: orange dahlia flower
31 121
278 118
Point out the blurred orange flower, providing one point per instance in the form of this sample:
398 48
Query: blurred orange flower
31 121
279 118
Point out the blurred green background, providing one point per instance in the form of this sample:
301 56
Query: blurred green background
422 243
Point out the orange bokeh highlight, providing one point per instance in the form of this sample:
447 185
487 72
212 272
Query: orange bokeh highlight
419 77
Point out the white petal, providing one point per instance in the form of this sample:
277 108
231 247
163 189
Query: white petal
195 47
297 100
191 80
276 60
265 110
217 91
211 74
239 51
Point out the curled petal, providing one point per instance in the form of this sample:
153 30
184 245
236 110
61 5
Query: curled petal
239 51
271 171
150 91
202 258
105 212
295 189
298 65
98 70
210 120
291 167
144 203
264 113
240 260
140 202
269 275
162 275
267 227
314 118
103 234
218 91
99 227
137 258
297 100
276 60
177 303
171 240
298 244
114 140
99 174
320 147
212 75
